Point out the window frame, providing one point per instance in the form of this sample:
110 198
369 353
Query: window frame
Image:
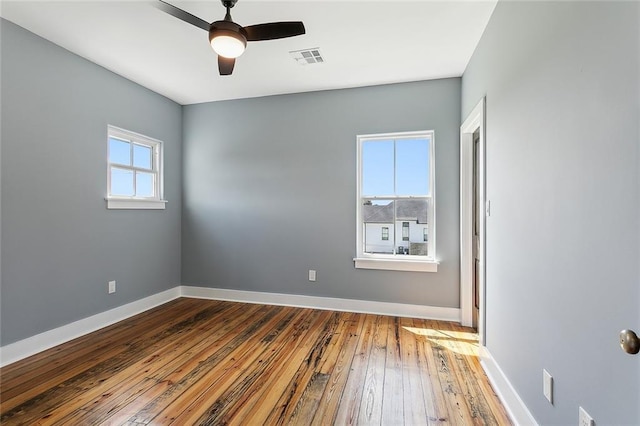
396 262
154 202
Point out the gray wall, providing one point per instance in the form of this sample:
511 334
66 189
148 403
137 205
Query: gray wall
270 187
60 245
562 92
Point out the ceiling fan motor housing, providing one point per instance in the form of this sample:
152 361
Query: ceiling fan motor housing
228 28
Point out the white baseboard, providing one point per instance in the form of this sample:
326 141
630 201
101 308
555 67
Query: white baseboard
516 409
40 342
326 303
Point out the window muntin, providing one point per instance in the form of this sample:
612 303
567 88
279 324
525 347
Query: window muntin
396 191
134 166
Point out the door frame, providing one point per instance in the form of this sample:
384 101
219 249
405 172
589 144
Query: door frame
475 121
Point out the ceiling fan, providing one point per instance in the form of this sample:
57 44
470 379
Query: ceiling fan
229 39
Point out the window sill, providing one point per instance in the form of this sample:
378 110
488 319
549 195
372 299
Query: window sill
135 204
396 264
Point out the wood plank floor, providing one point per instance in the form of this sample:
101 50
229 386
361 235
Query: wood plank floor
205 362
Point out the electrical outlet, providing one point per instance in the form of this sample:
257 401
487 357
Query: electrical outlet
547 385
312 275
112 287
584 419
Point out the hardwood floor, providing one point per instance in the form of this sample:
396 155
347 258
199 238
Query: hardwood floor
195 361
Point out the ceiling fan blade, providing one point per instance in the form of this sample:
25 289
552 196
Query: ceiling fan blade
181 14
274 30
225 65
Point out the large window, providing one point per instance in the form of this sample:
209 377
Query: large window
396 203
134 170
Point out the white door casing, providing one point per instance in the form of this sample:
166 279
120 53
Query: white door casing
474 122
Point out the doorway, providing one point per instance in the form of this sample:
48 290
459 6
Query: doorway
473 220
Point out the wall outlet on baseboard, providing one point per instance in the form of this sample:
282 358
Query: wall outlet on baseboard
584 419
547 385
112 287
312 275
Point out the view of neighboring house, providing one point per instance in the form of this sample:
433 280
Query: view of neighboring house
396 227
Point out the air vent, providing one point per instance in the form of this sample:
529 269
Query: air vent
307 56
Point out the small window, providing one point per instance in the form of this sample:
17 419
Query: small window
405 231
134 171
396 192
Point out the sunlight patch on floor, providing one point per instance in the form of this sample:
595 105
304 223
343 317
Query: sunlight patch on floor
462 342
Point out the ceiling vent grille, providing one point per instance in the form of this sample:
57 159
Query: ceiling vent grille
307 56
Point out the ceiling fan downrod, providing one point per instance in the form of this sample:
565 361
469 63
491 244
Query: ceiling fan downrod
228 4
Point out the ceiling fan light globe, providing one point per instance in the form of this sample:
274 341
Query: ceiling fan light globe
228 45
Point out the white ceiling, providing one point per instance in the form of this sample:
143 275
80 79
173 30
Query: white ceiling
363 42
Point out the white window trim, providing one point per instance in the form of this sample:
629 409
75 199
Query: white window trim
114 203
137 203
390 262
396 264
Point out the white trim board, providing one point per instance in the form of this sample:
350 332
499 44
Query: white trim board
326 303
40 342
517 410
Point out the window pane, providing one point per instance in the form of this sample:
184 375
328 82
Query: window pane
377 168
144 184
411 222
142 156
119 152
412 167
121 182
376 216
